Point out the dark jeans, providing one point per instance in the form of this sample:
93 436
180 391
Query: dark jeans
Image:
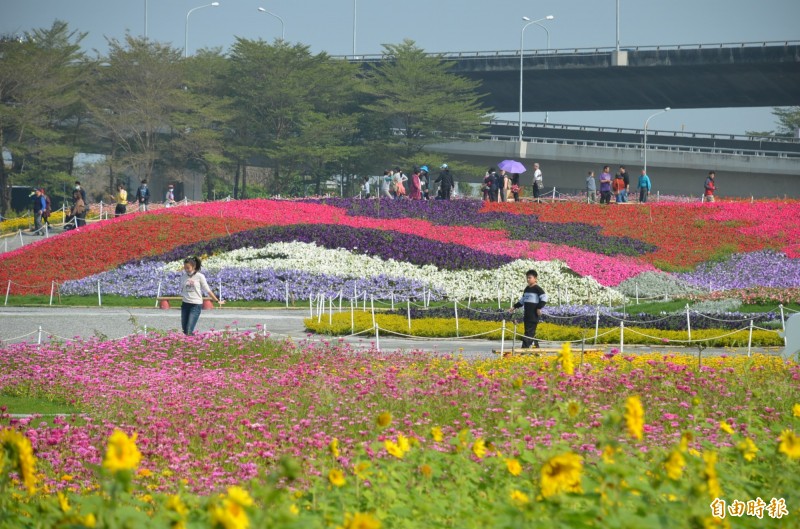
536 191
190 313
643 195
605 197
120 210
530 332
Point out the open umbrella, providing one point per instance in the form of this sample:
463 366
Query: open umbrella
511 166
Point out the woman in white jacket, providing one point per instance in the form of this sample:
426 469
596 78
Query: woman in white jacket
193 284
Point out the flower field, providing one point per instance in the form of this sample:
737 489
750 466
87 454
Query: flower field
320 433
238 430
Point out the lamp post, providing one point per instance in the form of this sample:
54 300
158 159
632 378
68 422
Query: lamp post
645 134
145 19
283 26
186 32
617 27
355 12
521 55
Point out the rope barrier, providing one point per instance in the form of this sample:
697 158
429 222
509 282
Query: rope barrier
688 341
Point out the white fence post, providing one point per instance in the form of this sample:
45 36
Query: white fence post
99 297
8 290
622 336
596 324
783 324
688 322
158 292
39 339
21 242
455 309
310 306
372 309
320 307
377 339
330 310
750 338
637 293
220 289
352 318
392 300
408 310
52 288
502 338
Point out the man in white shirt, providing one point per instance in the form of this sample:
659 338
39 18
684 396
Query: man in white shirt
538 182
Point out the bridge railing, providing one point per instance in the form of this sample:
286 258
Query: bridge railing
650 132
579 51
654 146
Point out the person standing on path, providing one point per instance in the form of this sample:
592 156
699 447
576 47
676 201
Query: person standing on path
533 300
710 187
605 185
623 193
591 188
538 182
122 201
39 206
644 187
143 196
193 284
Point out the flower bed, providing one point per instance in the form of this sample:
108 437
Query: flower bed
491 330
613 438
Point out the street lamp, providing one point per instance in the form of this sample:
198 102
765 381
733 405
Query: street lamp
521 54
645 134
283 27
145 19
186 33
355 5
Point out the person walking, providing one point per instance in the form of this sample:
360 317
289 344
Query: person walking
488 179
122 201
502 185
39 206
617 186
623 193
446 179
591 188
365 187
386 184
77 212
415 193
710 187
643 187
425 179
193 284
515 186
143 196
533 300
605 185
169 197
538 182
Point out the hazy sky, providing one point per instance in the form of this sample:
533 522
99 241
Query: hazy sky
440 26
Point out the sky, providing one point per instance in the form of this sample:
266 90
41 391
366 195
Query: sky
441 26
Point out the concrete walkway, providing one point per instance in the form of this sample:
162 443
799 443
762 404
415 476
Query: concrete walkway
18 324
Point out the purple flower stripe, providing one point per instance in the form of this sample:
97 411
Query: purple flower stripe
766 268
519 227
244 284
384 244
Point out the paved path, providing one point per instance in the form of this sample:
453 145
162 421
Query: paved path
23 323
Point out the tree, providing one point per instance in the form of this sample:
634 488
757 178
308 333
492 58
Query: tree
417 96
788 123
138 91
41 111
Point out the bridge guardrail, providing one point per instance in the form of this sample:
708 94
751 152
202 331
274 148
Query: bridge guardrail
579 51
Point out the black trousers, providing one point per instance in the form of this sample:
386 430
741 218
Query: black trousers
530 333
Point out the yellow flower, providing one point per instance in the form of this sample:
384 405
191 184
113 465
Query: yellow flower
384 419
403 443
437 434
360 470
674 465
16 450
393 449
336 477
513 467
228 515
89 520
63 502
240 496
562 473
796 410
573 408
516 383
333 447
122 453
686 438
710 474
66 478
479 448
145 473
174 503
790 444
725 427
634 417
426 470
519 498
294 509
748 449
361 520
565 359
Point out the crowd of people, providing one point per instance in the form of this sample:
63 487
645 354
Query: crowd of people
396 184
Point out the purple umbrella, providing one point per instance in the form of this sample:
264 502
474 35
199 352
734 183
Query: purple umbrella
512 166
